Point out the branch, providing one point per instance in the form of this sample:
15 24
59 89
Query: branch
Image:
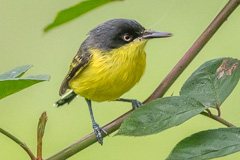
163 87
23 145
194 50
40 132
219 119
88 140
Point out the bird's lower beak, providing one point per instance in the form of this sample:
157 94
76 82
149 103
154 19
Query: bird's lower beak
153 34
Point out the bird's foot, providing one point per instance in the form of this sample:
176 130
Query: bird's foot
98 132
136 104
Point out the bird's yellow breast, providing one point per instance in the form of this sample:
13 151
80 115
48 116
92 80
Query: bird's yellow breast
109 75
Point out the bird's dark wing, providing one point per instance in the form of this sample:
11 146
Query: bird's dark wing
79 62
67 98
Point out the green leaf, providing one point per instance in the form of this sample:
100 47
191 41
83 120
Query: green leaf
160 114
213 81
10 83
207 144
15 73
76 11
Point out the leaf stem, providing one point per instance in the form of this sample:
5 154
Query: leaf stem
219 119
219 111
23 145
163 87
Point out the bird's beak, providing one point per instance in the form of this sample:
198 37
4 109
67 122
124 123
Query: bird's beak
153 34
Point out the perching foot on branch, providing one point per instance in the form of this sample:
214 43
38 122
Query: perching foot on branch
135 103
98 132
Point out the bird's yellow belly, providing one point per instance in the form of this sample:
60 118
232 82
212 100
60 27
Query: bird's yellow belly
109 76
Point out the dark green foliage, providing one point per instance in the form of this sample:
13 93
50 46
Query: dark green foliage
76 11
207 144
15 73
209 85
10 82
213 81
159 115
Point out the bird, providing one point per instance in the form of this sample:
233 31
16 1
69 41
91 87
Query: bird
108 64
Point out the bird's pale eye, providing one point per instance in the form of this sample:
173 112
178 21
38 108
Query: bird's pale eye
126 37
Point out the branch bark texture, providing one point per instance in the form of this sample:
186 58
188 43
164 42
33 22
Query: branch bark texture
163 87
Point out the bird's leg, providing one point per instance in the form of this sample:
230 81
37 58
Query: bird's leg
135 103
97 129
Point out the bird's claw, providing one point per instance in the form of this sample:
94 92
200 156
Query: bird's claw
136 104
98 132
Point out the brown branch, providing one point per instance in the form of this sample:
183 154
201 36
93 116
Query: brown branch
88 140
194 50
219 119
40 132
163 87
23 145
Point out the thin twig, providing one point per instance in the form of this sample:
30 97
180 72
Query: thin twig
219 111
40 132
219 119
23 145
163 87
209 112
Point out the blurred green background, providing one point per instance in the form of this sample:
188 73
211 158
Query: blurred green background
22 41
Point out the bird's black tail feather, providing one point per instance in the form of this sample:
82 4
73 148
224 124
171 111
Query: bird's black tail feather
67 98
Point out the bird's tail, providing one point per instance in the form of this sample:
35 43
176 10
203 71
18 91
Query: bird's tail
67 98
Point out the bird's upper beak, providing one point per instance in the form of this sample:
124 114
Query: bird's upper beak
153 34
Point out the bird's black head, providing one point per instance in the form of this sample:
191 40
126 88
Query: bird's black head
118 32
115 33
